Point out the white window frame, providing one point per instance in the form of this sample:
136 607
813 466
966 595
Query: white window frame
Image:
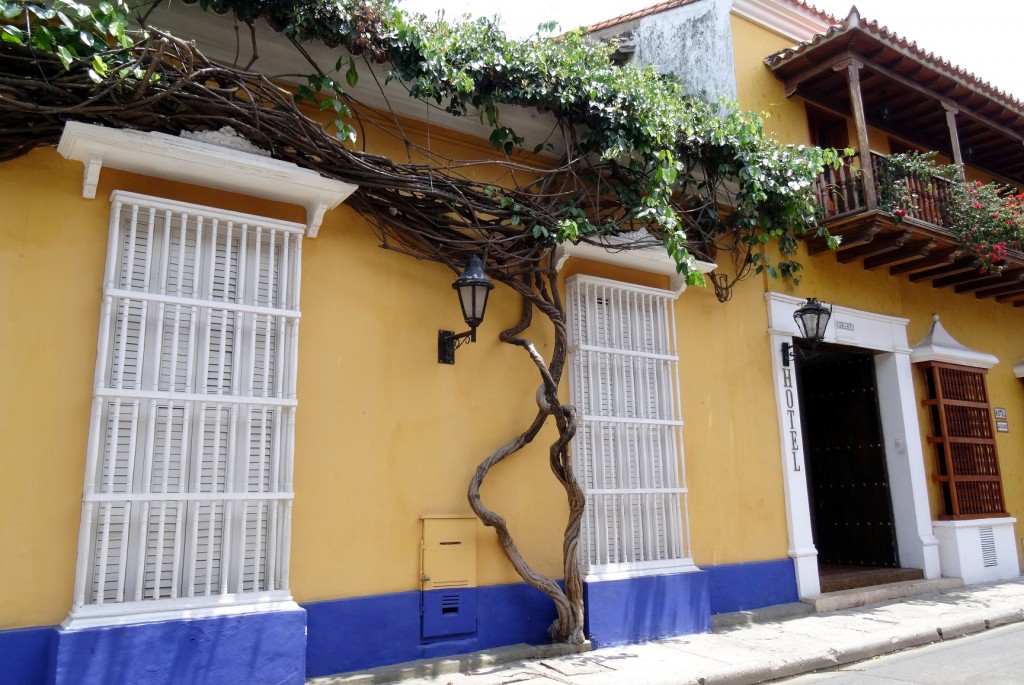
249 547
622 354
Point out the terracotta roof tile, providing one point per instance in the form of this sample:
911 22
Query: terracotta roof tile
638 14
854 22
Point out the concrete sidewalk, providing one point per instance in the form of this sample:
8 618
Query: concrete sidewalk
739 655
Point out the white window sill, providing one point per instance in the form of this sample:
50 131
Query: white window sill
155 611
639 570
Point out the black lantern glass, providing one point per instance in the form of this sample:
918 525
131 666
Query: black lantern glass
812 320
473 288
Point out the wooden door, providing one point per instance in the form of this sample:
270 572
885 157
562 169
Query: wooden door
847 478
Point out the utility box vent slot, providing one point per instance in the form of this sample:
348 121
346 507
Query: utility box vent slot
988 547
448 576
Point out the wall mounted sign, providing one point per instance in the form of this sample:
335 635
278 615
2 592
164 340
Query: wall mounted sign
1000 412
1002 427
793 443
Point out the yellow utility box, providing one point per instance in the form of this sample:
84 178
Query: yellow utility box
448 552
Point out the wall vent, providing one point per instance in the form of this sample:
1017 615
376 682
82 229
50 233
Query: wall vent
988 547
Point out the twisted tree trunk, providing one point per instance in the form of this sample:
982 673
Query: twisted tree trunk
542 293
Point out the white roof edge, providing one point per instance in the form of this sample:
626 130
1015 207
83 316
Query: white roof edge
1018 369
782 18
190 161
652 260
938 345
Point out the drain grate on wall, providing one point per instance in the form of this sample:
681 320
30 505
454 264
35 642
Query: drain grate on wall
988 547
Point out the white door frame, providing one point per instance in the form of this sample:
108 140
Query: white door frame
897 404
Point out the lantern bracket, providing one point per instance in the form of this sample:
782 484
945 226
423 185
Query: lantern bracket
449 341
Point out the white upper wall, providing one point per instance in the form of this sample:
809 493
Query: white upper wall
693 42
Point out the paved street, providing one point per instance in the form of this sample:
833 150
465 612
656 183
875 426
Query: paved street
989 658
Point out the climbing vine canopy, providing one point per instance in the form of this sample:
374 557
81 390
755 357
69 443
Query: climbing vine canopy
636 151
630 160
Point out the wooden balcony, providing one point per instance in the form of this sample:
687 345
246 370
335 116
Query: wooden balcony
919 246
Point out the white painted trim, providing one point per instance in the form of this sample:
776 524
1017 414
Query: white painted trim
1018 369
961 549
190 161
652 259
904 453
639 570
106 615
782 18
938 345
610 283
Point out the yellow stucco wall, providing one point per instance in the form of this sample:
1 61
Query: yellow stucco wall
982 325
979 324
384 433
51 267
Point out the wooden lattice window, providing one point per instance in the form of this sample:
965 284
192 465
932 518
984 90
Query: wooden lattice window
966 464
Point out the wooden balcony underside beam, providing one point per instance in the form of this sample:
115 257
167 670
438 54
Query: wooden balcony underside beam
914 250
854 235
986 281
1010 287
970 275
957 266
1010 297
944 256
880 244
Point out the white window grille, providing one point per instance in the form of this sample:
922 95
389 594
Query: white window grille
188 484
627 452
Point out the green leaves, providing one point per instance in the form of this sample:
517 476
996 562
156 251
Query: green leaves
641 153
76 33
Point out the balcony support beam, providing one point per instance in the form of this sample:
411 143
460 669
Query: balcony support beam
853 68
954 137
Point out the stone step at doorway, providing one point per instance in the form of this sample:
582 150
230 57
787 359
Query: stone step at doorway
862 596
835 577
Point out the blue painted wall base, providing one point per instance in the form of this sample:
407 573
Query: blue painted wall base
24 654
253 649
646 608
363 632
755 584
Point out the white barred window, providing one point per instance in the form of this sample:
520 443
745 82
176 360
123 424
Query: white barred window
188 483
627 452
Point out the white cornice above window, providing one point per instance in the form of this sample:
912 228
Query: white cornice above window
783 18
192 161
1018 369
652 259
940 346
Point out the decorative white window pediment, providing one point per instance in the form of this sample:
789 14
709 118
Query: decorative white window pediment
653 259
940 346
200 163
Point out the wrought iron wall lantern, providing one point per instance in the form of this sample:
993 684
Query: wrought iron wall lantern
812 320
473 288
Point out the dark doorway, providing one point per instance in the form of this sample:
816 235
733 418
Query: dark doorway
848 485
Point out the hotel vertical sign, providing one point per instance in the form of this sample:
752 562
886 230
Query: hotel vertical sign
793 441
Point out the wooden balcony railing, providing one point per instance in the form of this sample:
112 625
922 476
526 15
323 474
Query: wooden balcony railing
840 193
